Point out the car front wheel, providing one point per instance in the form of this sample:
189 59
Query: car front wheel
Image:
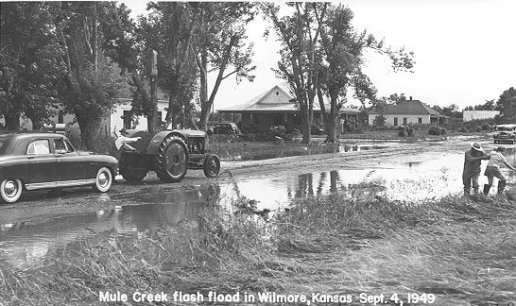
103 180
11 190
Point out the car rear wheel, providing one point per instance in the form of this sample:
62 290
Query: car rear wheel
103 180
11 190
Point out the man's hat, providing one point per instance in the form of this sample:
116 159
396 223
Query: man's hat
477 146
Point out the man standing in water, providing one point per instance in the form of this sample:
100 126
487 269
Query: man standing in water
471 172
496 161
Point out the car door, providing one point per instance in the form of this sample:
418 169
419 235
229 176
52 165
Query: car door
70 165
42 163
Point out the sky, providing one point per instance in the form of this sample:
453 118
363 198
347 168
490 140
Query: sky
465 51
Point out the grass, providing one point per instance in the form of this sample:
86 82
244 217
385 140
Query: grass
461 250
230 148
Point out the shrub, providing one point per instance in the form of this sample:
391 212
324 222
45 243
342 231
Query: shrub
278 129
436 130
405 131
352 129
463 130
379 120
487 127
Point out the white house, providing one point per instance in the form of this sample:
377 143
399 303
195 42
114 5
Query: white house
469 115
118 119
408 112
277 106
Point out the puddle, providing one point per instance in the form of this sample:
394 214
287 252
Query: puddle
430 176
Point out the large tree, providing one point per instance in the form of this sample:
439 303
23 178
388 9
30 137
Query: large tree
167 30
507 104
323 54
29 65
343 59
90 87
300 55
220 47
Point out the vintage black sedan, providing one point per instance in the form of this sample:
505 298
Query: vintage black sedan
30 161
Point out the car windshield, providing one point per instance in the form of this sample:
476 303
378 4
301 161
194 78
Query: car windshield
506 128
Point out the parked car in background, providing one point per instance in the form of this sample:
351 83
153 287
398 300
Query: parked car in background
30 161
226 128
505 133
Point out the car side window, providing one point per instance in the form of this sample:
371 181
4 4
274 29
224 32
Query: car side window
39 147
69 146
62 146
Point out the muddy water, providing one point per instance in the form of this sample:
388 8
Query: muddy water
27 244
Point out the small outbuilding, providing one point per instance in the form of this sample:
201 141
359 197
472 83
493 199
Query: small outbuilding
469 115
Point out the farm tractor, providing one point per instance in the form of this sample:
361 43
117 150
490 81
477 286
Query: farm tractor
169 153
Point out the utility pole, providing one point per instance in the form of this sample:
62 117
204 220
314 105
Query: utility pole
152 120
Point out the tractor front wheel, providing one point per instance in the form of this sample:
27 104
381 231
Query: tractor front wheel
172 159
211 166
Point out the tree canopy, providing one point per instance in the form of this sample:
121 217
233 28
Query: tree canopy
322 54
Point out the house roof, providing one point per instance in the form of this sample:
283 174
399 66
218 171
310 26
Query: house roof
278 99
409 107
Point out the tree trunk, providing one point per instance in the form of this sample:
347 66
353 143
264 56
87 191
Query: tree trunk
307 127
12 121
37 124
152 123
331 137
90 130
202 63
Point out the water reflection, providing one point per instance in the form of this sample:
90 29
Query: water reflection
26 244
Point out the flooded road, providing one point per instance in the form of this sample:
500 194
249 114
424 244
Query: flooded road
26 241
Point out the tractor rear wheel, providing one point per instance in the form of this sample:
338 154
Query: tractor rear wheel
172 159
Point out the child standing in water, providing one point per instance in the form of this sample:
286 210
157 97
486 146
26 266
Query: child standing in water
496 161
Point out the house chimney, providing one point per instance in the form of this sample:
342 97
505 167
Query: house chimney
410 98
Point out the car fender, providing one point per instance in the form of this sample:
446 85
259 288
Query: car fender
158 139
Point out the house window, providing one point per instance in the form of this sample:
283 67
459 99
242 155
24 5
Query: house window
255 119
395 121
420 120
60 117
405 121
